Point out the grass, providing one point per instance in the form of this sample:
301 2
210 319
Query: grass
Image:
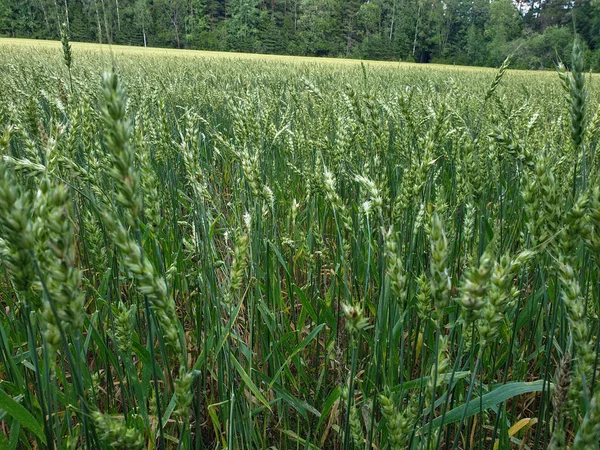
238 251
125 50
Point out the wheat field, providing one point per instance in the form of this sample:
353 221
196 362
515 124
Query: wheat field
204 250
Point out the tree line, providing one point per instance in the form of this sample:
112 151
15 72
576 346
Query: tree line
537 33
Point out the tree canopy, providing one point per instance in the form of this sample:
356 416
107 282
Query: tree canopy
476 32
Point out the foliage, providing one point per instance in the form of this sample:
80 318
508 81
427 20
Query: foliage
478 32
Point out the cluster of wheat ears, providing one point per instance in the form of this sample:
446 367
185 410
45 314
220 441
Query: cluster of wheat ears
239 254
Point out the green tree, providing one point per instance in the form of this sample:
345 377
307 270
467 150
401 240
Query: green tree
503 27
196 23
319 27
169 18
244 17
480 32
142 18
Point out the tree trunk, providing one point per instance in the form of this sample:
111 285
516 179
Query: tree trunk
447 36
99 23
67 15
45 15
176 29
58 21
416 30
189 24
106 28
118 15
392 20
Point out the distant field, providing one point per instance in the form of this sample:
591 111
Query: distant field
231 251
125 51
132 50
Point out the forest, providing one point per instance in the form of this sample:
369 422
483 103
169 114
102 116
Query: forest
538 34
